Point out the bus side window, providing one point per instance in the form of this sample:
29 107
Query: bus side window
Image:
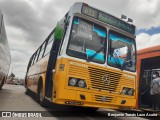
42 51
49 44
33 60
36 56
38 52
30 62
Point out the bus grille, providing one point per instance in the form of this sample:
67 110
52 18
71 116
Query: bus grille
99 98
104 80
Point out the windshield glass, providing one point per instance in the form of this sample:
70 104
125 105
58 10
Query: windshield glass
121 52
86 39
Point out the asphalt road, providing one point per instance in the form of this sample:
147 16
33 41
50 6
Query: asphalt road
13 98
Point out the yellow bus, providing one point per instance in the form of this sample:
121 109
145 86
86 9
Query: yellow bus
5 57
88 60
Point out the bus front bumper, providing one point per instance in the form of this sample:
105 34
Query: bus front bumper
94 99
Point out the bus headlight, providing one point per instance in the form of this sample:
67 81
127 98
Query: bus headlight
127 91
81 83
72 82
124 91
77 82
131 92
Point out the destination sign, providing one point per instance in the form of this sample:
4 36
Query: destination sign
90 11
109 19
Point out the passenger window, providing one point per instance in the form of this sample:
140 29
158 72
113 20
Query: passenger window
36 56
49 44
33 60
51 38
42 51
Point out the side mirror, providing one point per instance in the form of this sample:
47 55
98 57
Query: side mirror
58 34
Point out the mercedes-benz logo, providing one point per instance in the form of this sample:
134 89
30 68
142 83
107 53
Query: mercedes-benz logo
106 80
104 99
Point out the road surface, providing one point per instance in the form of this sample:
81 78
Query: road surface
13 98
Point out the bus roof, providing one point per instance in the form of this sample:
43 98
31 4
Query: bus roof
149 50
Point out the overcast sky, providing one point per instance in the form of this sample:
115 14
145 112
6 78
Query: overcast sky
28 22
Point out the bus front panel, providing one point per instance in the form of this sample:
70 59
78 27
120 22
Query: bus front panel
86 84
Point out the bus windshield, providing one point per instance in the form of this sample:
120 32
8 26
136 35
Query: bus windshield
86 39
121 52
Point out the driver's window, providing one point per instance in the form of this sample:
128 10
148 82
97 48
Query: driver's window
86 39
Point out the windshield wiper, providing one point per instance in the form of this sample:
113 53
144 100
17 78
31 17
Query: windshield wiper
90 58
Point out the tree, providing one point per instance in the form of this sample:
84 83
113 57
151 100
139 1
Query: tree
12 75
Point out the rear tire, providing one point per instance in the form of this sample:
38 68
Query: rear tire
41 99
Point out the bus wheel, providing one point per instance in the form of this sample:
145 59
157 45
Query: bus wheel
41 98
